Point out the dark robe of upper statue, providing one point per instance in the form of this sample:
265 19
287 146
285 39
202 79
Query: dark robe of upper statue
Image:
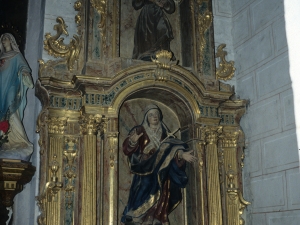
153 31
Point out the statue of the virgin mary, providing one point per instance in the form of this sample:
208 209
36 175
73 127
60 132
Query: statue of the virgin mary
15 79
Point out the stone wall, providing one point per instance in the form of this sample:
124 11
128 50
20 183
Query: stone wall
260 52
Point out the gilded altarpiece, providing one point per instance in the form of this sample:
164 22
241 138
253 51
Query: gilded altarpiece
95 92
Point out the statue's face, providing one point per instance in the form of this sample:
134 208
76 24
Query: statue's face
6 42
153 117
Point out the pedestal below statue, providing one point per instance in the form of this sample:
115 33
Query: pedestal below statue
13 175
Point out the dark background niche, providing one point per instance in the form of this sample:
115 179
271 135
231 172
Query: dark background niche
186 33
13 19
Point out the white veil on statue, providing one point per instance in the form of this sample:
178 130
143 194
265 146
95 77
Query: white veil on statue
15 79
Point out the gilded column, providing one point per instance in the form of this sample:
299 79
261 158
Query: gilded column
50 198
110 167
234 200
200 148
213 181
89 125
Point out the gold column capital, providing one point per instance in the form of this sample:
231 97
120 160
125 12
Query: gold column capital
229 139
212 134
57 125
90 124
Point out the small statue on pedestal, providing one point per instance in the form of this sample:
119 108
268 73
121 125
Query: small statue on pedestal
153 31
15 79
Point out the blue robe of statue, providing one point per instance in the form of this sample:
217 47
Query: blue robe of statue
158 179
12 89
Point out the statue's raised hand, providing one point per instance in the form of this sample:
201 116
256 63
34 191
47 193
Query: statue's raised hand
188 156
134 137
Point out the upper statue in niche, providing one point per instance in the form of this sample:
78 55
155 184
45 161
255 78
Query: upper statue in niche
153 31
157 159
15 79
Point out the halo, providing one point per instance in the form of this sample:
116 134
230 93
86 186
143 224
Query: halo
9 28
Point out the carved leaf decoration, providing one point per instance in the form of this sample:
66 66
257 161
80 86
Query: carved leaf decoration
226 69
55 46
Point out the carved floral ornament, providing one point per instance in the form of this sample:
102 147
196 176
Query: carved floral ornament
204 23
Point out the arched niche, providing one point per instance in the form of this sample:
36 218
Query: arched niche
177 113
111 107
181 22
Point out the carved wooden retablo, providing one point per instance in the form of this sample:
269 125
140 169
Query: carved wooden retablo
98 91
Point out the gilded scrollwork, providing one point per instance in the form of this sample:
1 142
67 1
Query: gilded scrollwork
70 153
103 124
41 202
204 23
113 140
230 177
100 6
50 191
236 203
77 7
163 62
200 154
226 69
242 206
54 185
55 46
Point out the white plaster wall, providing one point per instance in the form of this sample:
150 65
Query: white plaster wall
25 207
261 54
222 12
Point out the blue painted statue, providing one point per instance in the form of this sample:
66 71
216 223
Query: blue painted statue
15 79
157 161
